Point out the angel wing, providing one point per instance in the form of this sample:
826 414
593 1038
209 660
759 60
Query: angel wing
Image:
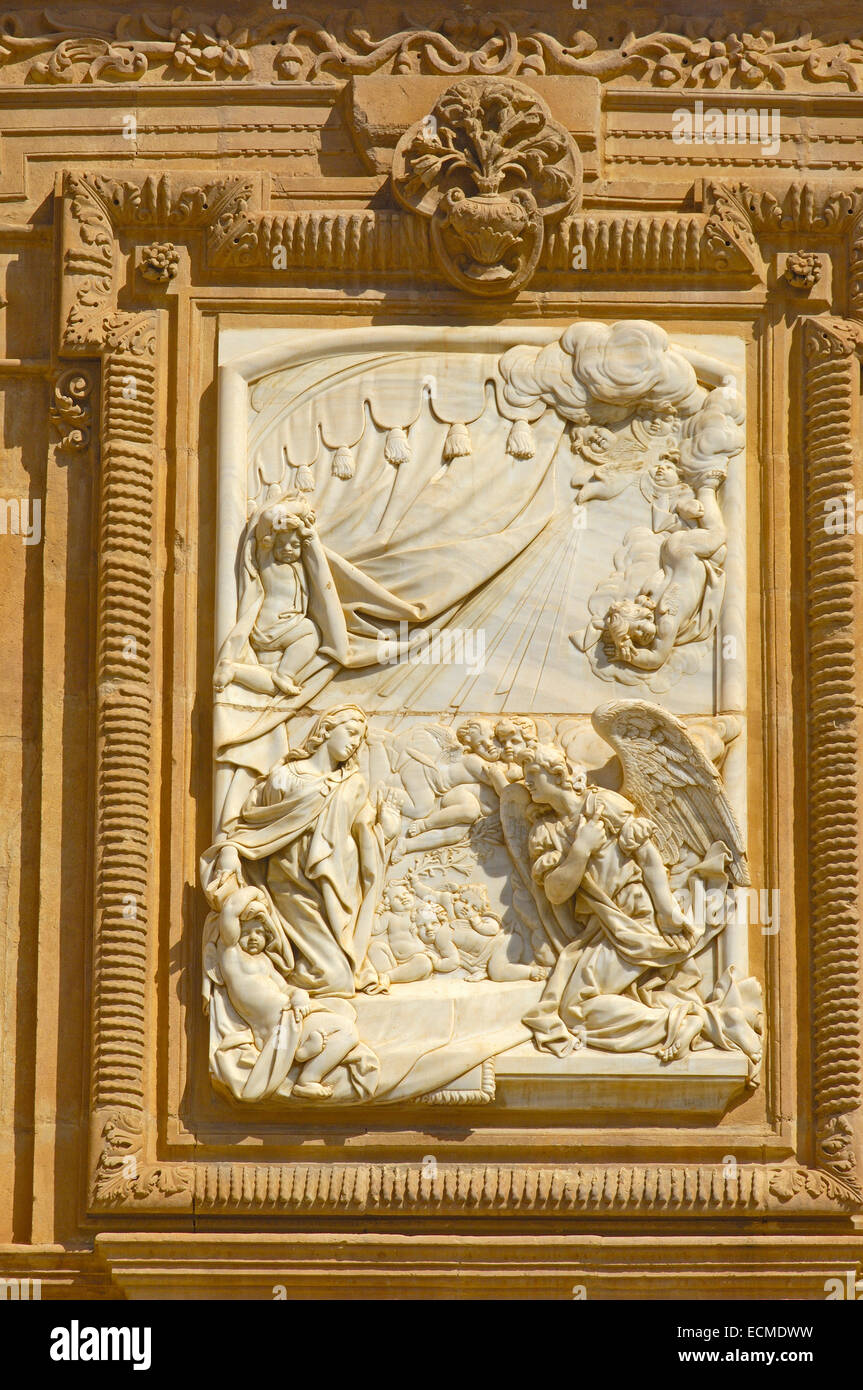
668 777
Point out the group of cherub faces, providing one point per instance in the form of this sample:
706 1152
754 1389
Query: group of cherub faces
450 932
508 740
428 913
512 740
414 937
515 741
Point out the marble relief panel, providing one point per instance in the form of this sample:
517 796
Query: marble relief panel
479 715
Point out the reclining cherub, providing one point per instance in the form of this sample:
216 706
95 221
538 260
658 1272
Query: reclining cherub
473 941
450 784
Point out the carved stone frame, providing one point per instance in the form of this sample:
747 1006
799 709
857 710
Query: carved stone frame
135 1171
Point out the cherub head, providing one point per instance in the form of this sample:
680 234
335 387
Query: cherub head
256 933
397 897
629 623
427 916
664 474
516 736
477 736
282 526
472 900
658 419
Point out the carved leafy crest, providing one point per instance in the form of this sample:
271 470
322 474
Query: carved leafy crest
98 205
489 166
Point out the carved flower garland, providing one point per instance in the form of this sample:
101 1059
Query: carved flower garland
57 47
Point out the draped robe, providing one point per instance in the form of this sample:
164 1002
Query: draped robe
313 844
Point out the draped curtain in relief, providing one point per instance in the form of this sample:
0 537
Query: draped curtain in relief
405 543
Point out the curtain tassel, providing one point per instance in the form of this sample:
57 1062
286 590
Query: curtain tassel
305 479
521 442
343 463
457 443
397 448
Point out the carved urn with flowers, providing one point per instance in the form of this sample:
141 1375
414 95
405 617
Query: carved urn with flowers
489 166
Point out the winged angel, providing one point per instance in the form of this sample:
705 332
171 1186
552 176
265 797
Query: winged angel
613 876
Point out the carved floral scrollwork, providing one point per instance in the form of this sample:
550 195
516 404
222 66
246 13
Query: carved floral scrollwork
489 166
126 50
71 412
297 48
694 57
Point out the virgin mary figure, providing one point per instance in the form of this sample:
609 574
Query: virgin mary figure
310 837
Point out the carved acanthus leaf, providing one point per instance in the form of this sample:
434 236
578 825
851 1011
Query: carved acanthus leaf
122 1174
788 1183
729 242
159 200
836 1155
830 338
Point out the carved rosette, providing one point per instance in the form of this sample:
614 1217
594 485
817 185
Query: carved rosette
122 1173
803 270
160 262
489 167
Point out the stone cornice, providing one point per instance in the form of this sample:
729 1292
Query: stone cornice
723 238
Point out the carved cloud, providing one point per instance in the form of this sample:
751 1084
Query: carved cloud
604 371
